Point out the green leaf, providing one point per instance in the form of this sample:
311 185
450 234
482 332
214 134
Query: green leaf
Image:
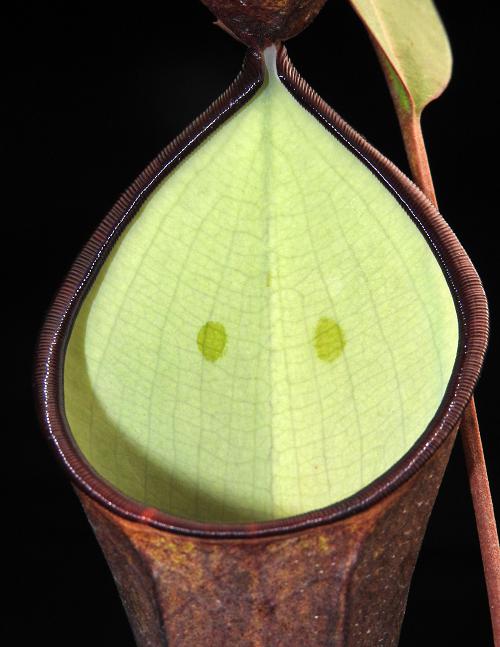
413 48
270 333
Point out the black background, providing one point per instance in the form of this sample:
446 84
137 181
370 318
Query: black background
96 96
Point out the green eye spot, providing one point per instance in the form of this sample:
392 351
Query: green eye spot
212 339
328 340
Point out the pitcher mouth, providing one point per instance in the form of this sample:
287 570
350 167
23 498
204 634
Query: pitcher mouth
462 279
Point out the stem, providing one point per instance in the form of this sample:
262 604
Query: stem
416 152
485 516
411 131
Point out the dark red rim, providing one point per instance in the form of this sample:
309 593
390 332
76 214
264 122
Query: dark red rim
460 274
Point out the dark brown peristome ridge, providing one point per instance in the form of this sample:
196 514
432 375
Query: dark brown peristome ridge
461 275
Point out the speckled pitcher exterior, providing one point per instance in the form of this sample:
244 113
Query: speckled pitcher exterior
342 584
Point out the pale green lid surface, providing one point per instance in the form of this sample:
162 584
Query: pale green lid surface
269 335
